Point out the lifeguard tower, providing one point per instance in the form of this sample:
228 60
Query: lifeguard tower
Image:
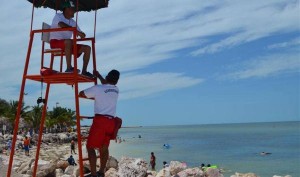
49 76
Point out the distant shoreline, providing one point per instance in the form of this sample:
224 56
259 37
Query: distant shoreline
234 123
88 126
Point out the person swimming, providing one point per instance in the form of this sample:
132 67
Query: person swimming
265 153
166 146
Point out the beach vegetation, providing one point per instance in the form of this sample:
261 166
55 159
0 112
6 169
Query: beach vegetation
33 118
62 117
3 107
59 117
12 109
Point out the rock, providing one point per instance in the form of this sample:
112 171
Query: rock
165 172
41 163
41 174
65 175
211 172
112 163
86 169
151 173
195 172
63 137
47 138
62 164
112 172
29 172
25 167
176 167
69 170
129 167
8 137
59 172
49 169
244 175
20 138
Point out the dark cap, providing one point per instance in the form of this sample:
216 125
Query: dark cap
68 4
113 76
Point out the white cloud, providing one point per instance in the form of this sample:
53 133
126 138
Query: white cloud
267 66
291 43
134 85
132 36
251 20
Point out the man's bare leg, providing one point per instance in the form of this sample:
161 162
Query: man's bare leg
68 52
92 160
86 57
103 158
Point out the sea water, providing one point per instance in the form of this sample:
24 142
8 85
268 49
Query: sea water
233 147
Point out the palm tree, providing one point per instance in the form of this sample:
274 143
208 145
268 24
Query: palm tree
34 116
3 106
11 112
62 117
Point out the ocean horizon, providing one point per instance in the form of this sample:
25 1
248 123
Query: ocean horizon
232 147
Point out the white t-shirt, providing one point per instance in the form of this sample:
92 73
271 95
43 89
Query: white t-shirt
105 96
59 17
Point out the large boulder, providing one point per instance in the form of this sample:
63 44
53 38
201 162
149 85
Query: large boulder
41 174
195 172
112 172
129 167
59 172
48 168
40 164
63 138
244 175
62 164
212 172
47 138
176 167
112 163
86 169
69 170
25 167
8 137
165 172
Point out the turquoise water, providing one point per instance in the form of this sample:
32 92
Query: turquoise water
233 147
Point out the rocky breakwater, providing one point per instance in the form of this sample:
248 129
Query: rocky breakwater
54 152
47 138
127 167
56 166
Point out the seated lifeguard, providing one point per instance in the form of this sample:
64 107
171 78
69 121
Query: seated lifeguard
62 39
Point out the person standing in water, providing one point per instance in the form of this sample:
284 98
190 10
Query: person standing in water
152 161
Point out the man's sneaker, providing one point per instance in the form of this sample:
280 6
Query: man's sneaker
88 74
71 70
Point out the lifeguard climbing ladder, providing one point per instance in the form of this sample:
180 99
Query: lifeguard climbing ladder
56 78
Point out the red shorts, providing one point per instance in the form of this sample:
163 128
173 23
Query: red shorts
101 132
60 43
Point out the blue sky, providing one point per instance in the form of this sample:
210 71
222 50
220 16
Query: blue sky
181 62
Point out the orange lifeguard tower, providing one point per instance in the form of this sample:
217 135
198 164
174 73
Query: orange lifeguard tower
56 77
